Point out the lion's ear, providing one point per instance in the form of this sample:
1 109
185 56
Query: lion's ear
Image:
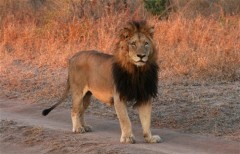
124 33
151 31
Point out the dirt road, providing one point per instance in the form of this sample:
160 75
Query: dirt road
24 130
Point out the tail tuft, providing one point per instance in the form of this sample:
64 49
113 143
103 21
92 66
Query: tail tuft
46 111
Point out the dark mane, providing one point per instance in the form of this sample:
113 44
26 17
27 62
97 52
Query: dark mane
139 86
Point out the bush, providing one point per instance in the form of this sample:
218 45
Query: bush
156 7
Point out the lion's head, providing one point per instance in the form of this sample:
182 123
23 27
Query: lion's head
135 45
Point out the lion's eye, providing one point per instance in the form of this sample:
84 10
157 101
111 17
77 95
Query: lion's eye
133 44
146 44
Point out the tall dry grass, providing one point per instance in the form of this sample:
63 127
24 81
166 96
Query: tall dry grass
200 48
47 33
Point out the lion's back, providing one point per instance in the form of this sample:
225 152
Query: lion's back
92 54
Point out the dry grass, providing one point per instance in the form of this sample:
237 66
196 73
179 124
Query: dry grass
197 47
206 8
201 47
38 37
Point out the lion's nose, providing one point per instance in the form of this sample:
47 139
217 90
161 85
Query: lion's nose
141 55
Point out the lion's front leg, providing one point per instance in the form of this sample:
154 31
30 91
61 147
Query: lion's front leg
125 124
145 118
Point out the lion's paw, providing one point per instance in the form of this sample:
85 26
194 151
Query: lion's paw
83 129
154 139
79 130
88 128
129 139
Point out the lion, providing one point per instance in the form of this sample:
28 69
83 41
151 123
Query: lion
129 75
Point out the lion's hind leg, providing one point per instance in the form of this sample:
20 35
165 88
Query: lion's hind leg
145 118
79 105
86 102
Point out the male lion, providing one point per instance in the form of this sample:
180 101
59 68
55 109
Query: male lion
131 74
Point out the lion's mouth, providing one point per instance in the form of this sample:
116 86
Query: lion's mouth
140 63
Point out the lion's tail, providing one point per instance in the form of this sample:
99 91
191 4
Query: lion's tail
64 96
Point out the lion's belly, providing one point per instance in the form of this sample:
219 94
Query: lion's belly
103 96
100 83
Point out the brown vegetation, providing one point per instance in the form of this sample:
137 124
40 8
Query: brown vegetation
38 37
49 33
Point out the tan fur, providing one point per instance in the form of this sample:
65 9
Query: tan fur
90 73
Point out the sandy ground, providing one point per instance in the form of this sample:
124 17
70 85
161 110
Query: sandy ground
24 130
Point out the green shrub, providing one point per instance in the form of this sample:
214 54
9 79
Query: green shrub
156 7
